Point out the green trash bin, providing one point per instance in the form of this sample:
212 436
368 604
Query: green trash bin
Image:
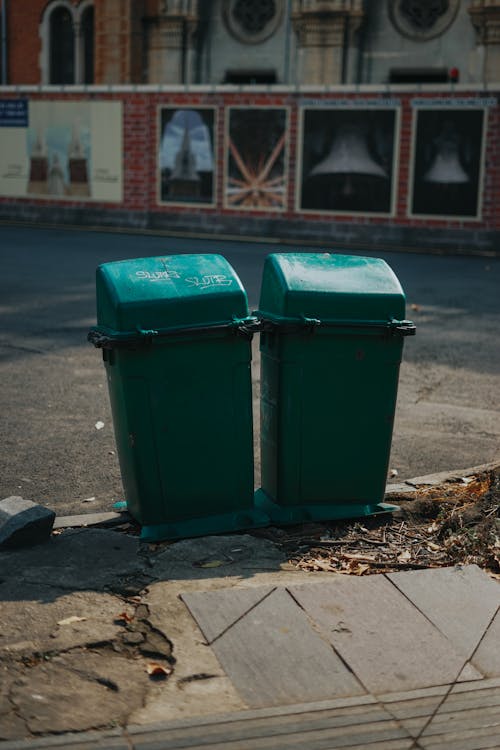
175 337
330 355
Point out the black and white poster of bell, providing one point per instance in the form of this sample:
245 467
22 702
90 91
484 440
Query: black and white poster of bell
186 155
348 160
447 162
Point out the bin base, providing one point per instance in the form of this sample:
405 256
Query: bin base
290 514
217 524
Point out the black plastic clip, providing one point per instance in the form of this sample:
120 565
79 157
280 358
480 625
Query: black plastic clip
403 328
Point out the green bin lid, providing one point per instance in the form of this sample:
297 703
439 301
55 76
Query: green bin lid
169 291
328 286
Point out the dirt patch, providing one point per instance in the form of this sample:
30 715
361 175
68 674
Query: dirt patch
456 523
111 677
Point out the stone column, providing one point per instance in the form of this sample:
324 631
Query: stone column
170 58
325 31
118 38
485 15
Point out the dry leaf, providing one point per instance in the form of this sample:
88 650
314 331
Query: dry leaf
211 564
405 556
71 620
154 669
125 617
358 569
433 547
358 558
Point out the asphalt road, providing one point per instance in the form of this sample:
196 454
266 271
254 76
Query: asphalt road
53 389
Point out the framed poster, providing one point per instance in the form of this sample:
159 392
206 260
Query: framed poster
63 150
447 162
347 160
255 176
187 155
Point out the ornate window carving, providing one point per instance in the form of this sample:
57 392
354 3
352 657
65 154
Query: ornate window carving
423 19
67 34
252 21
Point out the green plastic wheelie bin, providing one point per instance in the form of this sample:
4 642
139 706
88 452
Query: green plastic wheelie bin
176 346
332 341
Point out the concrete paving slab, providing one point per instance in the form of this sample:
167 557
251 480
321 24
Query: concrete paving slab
459 601
381 635
273 655
217 611
487 656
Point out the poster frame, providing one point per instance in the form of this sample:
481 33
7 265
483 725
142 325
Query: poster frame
72 198
395 162
411 169
286 158
186 204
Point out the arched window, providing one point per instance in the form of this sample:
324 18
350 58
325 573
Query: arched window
67 33
62 46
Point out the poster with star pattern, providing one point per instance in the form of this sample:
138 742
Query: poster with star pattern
256 158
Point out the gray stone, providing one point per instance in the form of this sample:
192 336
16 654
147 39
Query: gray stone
23 523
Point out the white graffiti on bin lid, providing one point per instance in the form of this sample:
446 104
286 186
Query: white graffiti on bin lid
157 275
211 280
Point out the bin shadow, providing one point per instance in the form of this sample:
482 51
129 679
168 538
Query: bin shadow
105 560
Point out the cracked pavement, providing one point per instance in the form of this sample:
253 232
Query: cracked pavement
232 629
86 614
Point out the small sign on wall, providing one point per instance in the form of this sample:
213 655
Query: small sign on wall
13 113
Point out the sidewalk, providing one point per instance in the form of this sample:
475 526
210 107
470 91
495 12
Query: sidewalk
220 642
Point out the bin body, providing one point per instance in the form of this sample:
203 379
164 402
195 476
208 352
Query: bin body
179 381
329 375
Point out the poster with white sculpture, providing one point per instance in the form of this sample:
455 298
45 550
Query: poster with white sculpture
64 151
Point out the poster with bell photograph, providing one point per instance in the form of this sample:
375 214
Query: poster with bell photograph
256 158
347 160
447 162
186 155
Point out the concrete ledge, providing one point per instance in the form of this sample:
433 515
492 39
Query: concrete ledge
213 225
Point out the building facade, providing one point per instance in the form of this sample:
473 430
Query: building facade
287 42
338 121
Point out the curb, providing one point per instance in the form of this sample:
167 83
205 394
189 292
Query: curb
410 486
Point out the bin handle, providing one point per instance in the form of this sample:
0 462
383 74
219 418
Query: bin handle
269 322
102 339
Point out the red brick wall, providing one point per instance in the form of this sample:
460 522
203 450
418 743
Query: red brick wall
23 21
140 169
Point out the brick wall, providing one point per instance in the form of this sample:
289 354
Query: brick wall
24 45
142 205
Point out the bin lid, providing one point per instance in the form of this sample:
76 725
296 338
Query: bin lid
169 291
330 287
